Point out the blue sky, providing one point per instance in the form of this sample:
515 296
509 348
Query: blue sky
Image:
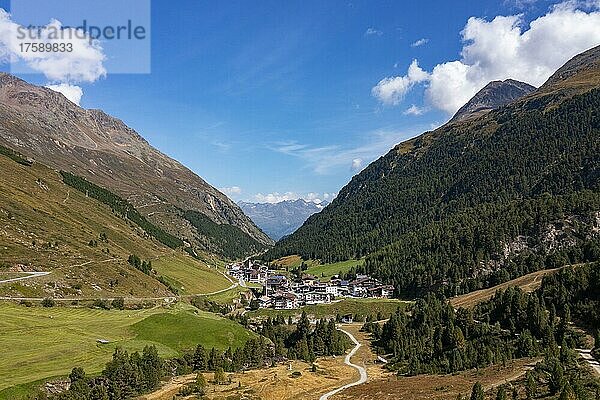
274 97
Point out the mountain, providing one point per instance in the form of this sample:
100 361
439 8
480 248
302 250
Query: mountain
82 244
495 94
44 125
281 219
477 202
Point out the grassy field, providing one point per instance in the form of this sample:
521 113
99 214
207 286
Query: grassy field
186 330
227 296
323 271
288 262
362 307
326 271
190 276
45 342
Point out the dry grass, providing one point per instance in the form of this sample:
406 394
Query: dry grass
527 283
274 383
292 261
439 387
365 356
277 384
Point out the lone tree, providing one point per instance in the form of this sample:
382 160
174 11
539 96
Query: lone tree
220 377
200 380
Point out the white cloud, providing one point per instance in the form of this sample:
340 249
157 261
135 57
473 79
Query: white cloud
71 92
357 164
373 31
415 110
420 42
277 197
503 48
520 4
328 159
231 191
392 90
84 63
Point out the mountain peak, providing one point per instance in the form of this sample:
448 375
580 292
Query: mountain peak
580 70
495 94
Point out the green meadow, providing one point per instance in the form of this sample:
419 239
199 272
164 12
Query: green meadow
42 342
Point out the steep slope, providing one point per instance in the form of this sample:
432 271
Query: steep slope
46 126
495 94
476 202
47 226
280 219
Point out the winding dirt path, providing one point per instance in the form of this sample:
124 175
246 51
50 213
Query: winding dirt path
362 371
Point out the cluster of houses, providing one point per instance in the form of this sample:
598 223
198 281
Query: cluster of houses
280 293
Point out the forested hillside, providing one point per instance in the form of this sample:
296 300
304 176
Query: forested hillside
435 338
477 202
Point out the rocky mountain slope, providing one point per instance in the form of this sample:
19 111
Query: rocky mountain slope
44 125
477 201
495 94
281 219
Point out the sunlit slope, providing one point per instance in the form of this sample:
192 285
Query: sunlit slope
46 225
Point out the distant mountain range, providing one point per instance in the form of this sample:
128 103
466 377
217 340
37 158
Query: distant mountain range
509 186
281 219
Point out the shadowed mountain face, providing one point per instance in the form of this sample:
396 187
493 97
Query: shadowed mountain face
495 94
470 204
44 125
281 219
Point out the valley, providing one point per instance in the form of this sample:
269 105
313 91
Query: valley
464 262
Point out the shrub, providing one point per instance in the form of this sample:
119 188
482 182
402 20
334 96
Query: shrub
118 303
48 302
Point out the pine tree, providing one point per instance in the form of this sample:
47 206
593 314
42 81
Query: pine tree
200 359
556 377
531 386
501 395
220 376
567 393
477 392
200 380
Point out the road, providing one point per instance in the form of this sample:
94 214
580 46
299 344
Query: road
587 356
234 284
362 371
28 276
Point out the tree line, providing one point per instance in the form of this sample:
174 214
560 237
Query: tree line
120 207
302 342
224 239
15 156
146 267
